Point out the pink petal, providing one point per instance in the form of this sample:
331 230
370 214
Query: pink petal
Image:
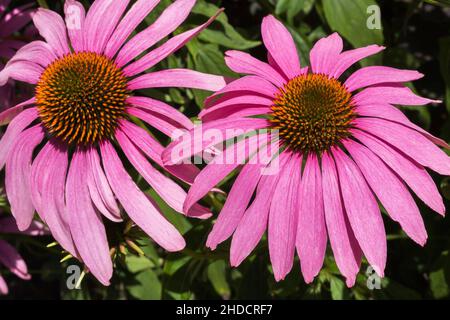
3 286
281 46
390 94
391 192
17 175
249 84
179 78
17 125
132 19
168 21
388 112
346 250
254 222
75 21
348 58
47 184
38 52
174 44
311 236
99 189
219 168
195 141
415 176
10 113
325 54
8 225
242 62
21 70
362 211
162 109
137 205
408 141
15 20
12 260
101 20
86 225
283 217
375 75
52 28
166 126
235 205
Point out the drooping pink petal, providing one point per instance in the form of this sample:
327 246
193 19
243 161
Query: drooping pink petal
47 184
101 20
391 192
174 44
38 52
21 70
17 175
17 125
9 225
388 112
283 217
180 78
3 286
162 109
409 141
15 20
311 239
86 225
132 19
153 149
99 189
372 75
167 22
362 211
251 84
281 46
235 205
136 204
219 168
75 16
325 54
415 176
348 58
12 260
10 113
392 94
169 191
52 28
196 140
346 250
230 106
254 222
242 62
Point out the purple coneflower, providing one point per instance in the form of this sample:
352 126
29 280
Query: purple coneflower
60 147
342 145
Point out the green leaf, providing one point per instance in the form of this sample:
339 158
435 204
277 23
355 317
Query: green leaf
42 3
440 277
444 3
229 37
444 58
350 19
337 288
218 277
137 264
145 286
293 8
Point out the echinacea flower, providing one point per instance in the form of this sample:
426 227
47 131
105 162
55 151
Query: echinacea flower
342 145
10 23
61 150
9 257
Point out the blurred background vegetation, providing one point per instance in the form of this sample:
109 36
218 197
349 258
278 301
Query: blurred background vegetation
417 36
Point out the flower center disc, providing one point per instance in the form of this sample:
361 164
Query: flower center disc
312 113
80 98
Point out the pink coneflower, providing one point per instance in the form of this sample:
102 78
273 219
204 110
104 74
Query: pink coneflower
82 114
9 257
10 23
342 146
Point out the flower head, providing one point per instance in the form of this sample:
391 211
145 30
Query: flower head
61 147
341 146
9 257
